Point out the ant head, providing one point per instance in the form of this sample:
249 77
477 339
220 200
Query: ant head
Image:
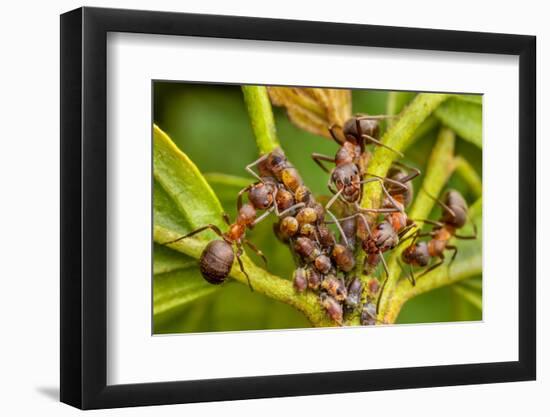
347 177
261 195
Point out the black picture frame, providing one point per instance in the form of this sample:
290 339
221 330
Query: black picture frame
84 207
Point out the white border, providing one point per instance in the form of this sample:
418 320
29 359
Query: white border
134 356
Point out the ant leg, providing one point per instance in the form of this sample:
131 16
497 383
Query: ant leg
263 216
226 219
256 250
333 199
383 145
319 158
391 199
472 237
253 164
363 218
428 221
384 264
338 140
212 227
241 266
415 171
455 252
240 195
362 116
339 226
404 231
411 278
441 203
400 184
288 210
431 268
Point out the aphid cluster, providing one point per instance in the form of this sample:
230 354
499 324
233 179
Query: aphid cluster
325 262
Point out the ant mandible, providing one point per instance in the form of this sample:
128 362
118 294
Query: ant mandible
454 217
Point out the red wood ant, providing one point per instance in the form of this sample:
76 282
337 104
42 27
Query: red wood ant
387 234
351 158
454 217
274 166
217 257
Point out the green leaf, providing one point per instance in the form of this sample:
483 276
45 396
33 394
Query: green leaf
464 116
184 184
173 290
168 260
473 297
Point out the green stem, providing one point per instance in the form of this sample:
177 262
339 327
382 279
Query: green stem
261 117
398 137
404 291
441 165
469 175
262 281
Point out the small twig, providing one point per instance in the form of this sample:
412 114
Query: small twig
440 168
263 282
261 118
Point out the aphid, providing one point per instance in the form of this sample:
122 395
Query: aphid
268 195
343 257
454 217
355 290
300 280
313 279
323 264
335 287
368 314
307 249
217 257
288 227
333 308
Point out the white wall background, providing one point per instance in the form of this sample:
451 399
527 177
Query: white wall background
29 177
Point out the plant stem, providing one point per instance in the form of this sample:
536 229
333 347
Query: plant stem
398 137
262 281
440 167
404 291
261 117
469 174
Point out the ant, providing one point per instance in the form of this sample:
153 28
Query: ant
396 224
351 158
275 167
217 257
454 217
387 234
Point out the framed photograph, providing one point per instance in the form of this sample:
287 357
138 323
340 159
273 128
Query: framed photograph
258 208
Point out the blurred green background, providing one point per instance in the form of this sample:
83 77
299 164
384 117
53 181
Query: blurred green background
210 124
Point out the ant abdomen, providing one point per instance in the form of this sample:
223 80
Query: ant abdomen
417 254
368 127
454 200
216 261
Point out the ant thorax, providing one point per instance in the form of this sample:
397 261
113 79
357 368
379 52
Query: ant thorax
348 153
235 232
